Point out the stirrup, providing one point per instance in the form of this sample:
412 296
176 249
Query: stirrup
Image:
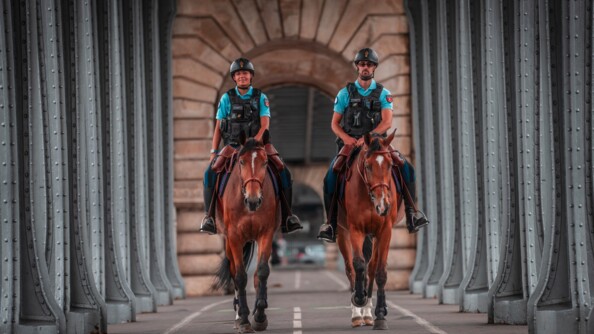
419 220
327 233
292 224
208 226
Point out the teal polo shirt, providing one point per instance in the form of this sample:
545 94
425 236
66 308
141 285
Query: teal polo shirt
342 99
224 107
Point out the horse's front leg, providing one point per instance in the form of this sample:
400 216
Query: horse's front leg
359 297
240 279
381 277
344 244
371 271
261 281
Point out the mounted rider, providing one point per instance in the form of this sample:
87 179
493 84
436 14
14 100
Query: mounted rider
245 109
359 108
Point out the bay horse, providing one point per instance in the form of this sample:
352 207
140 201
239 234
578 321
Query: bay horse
370 207
250 213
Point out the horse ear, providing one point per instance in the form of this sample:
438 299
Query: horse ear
266 137
388 140
367 139
242 138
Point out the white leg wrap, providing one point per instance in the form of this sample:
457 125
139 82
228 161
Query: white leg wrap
367 308
355 311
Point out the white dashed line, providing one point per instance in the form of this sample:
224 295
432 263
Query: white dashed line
297 280
424 323
297 320
194 315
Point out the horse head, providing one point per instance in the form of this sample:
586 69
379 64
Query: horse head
376 171
252 170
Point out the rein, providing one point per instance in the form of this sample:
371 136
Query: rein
364 175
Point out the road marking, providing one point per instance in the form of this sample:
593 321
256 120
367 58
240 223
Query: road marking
426 324
297 320
297 280
343 285
194 315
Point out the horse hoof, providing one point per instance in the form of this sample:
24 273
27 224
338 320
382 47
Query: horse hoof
246 328
236 323
356 322
368 321
380 324
260 326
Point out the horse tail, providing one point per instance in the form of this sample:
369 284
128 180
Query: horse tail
248 254
223 279
367 248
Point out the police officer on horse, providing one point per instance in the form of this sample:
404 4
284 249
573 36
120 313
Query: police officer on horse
244 109
360 108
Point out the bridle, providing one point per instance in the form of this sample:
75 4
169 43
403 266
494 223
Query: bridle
364 175
252 179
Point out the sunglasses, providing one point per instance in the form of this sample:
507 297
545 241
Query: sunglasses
365 64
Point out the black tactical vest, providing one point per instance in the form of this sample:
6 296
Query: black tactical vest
244 116
363 113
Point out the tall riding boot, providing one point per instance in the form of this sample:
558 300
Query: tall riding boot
414 219
291 222
208 223
328 230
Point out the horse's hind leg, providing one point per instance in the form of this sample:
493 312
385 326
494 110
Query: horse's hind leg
260 282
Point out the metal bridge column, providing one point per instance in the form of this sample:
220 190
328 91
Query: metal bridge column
423 139
142 286
118 294
154 146
167 9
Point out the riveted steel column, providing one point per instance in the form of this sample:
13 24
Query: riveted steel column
87 308
32 113
464 164
431 156
421 115
137 160
495 141
474 285
10 202
167 11
562 301
509 293
118 294
154 146
446 213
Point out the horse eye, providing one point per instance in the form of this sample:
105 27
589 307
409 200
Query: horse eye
241 162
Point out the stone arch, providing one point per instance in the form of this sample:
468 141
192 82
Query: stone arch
300 62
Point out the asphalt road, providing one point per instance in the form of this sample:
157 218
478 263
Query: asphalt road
304 301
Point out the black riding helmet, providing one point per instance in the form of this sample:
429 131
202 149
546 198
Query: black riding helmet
367 54
241 64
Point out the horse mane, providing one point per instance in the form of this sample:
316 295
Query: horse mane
373 146
250 145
